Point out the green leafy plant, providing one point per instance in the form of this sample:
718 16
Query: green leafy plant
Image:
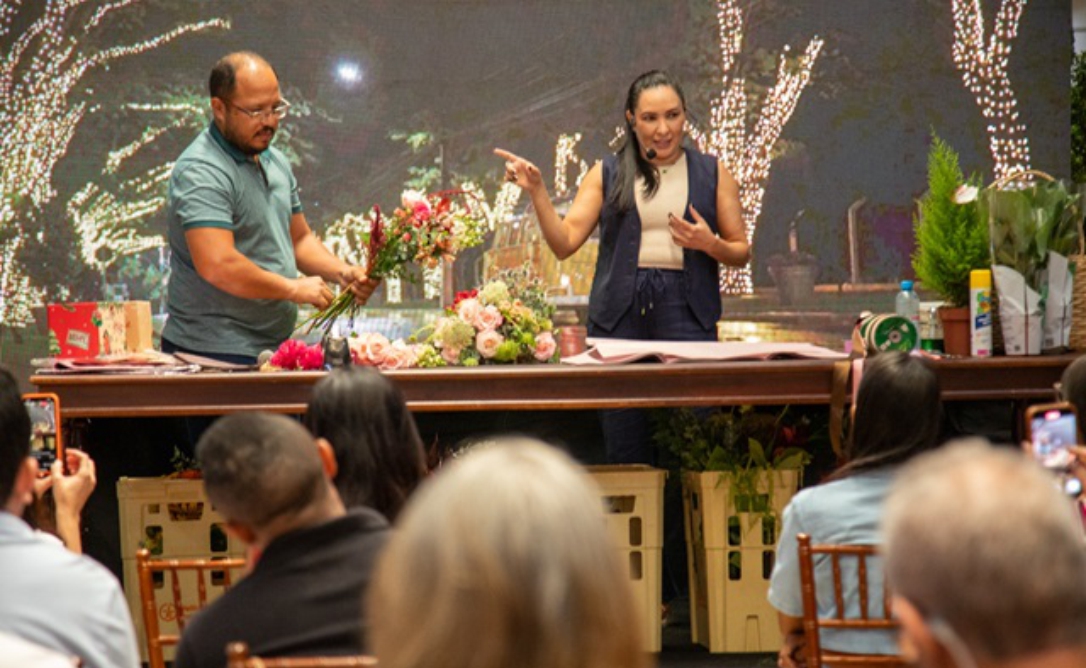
742 443
1029 222
951 235
1078 117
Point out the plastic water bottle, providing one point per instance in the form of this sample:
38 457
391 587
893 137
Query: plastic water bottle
907 305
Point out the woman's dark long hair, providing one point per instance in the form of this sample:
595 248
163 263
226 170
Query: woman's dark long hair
377 445
631 161
898 413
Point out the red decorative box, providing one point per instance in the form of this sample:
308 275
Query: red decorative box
97 329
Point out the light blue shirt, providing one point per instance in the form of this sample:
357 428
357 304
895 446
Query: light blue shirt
61 600
843 512
214 184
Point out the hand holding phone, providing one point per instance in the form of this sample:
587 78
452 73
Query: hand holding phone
46 444
1052 429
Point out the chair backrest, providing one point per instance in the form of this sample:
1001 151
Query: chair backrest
237 656
868 619
221 568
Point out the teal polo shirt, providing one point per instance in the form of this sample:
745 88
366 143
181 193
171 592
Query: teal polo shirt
213 184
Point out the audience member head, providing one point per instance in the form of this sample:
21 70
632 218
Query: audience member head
1073 386
265 475
503 559
898 412
379 454
987 561
14 445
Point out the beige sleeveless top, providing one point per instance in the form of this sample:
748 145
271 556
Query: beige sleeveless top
657 249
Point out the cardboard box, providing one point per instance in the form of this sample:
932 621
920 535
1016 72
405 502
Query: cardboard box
96 329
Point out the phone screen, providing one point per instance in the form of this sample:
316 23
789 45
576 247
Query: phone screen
1051 433
45 444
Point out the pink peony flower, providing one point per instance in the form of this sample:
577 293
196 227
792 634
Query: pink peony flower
312 358
490 318
288 354
544 346
487 341
469 309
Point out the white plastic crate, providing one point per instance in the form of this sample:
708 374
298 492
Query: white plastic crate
173 519
633 500
730 553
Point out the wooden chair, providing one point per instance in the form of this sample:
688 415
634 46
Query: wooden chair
146 566
868 620
237 656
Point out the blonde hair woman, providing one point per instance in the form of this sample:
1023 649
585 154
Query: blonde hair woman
503 560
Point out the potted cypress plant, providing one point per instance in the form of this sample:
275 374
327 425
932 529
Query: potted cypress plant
951 241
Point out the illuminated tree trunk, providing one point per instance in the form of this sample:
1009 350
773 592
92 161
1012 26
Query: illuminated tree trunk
748 152
983 63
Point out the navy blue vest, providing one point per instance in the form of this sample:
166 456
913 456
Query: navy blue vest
620 244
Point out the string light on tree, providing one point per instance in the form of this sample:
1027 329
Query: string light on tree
983 61
42 76
748 153
565 153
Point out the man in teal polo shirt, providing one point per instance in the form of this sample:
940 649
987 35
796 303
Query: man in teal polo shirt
238 237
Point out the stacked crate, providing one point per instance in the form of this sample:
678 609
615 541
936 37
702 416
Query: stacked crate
731 538
633 499
172 518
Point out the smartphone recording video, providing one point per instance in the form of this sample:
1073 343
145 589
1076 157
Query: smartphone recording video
45 442
1053 428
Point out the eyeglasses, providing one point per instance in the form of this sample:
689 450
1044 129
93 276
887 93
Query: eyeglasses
279 111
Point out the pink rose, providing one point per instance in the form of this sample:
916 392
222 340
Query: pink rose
374 349
487 341
451 354
468 309
544 346
399 356
490 318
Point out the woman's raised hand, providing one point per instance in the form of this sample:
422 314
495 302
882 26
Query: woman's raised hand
520 171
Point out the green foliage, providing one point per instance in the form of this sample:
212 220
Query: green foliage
735 439
951 238
1078 117
1029 222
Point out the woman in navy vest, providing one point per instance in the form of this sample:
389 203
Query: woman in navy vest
668 217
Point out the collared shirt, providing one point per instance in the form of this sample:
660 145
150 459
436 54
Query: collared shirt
842 512
215 185
61 600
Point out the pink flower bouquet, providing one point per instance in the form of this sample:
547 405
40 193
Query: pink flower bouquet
498 324
424 230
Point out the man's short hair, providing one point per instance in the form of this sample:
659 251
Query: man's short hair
258 467
981 539
224 74
14 433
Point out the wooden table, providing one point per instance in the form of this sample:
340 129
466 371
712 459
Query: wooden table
542 387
